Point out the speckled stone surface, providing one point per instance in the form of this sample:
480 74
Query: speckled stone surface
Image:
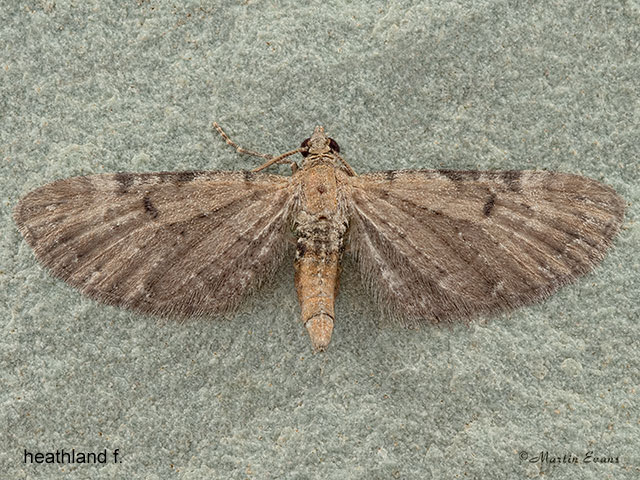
89 87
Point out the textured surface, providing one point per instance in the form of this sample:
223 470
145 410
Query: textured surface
89 88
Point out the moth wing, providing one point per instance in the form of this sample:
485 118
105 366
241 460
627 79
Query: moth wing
183 243
440 245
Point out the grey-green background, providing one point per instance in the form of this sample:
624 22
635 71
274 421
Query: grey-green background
89 87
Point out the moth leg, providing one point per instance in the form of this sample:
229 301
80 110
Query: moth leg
238 148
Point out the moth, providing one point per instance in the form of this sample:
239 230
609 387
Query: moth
430 245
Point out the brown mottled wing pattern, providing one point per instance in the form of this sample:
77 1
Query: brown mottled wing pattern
440 245
171 243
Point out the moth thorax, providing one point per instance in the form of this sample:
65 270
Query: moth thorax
321 159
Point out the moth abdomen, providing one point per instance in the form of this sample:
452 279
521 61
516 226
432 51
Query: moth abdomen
320 225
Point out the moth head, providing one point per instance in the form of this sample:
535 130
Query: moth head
319 143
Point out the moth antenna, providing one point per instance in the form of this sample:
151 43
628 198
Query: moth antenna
270 158
238 148
280 158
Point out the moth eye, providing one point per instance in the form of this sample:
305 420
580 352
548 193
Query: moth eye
334 146
305 144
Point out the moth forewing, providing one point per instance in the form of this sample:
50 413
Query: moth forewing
170 243
444 245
